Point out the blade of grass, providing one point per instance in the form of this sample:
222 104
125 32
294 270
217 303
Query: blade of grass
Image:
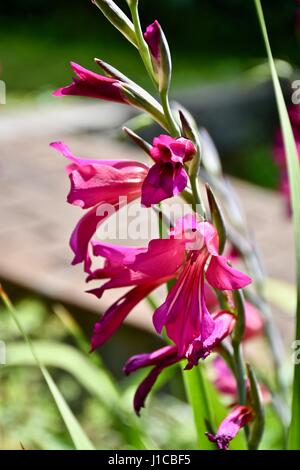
78 436
67 358
196 390
294 181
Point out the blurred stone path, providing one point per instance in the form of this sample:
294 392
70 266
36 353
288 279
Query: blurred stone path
36 221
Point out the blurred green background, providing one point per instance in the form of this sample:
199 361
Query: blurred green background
210 39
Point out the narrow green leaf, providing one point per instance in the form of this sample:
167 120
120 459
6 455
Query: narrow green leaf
257 428
294 181
196 390
79 438
94 379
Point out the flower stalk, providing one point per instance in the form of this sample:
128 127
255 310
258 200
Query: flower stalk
237 336
141 43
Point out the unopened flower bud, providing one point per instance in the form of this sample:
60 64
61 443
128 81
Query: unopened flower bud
160 55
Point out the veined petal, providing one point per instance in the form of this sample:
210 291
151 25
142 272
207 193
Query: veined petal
162 258
184 313
94 181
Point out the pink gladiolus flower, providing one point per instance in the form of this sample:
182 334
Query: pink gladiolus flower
92 85
96 183
125 267
194 332
230 426
167 177
184 313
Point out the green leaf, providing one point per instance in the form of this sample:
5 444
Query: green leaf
79 438
196 390
294 181
208 409
95 380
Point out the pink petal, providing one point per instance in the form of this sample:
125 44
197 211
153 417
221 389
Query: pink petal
223 277
184 313
92 85
116 314
94 181
153 37
162 258
230 426
158 185
150 359
180 180
166 149
199 349
145 387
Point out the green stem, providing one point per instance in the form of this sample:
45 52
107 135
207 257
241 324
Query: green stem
174 129
240 373
142 46
199 400
294 179
198 205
